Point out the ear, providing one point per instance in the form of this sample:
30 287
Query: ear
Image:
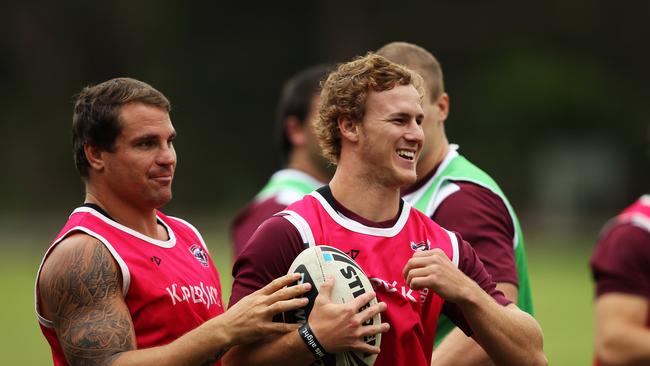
349 129
95 156
295 131
443 106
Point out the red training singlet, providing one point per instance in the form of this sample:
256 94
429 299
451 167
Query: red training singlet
383 253
170 287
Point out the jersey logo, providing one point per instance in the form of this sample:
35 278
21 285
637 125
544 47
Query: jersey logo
421 246
200 255
353 253
156 260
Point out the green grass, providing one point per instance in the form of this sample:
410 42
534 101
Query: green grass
559 274
563 294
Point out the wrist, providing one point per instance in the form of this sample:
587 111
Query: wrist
309 338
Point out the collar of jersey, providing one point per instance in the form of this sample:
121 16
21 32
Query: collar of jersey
358 227
169 243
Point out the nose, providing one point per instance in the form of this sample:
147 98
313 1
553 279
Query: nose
415 133
167 155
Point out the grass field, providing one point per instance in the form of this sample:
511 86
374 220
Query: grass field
559 275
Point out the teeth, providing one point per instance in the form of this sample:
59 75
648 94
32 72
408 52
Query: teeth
406 154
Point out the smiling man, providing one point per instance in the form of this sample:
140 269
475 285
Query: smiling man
124 284
370 126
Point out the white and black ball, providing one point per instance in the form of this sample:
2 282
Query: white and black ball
317 263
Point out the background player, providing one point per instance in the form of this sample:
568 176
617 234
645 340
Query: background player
306 169
621 269
124 284
461 197
369 126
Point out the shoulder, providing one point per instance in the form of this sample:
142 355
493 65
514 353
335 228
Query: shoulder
473 208
470 196
267 255
621 260
78 268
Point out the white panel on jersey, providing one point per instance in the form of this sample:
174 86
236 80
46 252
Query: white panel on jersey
645 200
195 230
170 243
358 227
454 247
300 224
443 193
640 221
288 196
416 195
124 269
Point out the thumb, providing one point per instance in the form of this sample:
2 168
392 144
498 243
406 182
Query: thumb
325 291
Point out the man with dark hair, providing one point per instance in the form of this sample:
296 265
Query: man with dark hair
461 197
621 269
122 283
369 126
305 168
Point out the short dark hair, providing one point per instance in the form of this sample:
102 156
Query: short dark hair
295 100
95 119
419 60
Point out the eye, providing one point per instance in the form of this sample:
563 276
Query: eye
146 144
419 120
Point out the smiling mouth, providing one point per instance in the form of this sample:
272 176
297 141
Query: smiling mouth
406 154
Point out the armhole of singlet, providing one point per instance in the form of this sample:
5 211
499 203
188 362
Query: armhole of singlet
124 269
195 230
640 221
447 189
455 252
301 225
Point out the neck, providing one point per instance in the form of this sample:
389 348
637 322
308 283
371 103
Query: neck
367 199
432 159
142 221
302 162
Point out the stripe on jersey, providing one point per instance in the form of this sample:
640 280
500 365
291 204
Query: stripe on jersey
358 227
124 269
301 225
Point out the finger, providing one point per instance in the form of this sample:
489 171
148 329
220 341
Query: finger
425 253
417 273
361 346
415 263
361 301
289 292
371 311
286 305
419 283
325 291
279 283
371 330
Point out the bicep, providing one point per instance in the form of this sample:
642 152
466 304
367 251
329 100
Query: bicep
80 288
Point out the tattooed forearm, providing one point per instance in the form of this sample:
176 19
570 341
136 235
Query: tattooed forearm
83 294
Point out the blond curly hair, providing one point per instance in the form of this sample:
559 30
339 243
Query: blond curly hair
346 90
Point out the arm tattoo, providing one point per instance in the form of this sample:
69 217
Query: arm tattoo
91 320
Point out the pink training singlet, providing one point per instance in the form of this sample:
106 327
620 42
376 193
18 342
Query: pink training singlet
382 253
170 287
637 214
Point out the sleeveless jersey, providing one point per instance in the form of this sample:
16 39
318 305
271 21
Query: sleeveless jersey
170 287
382 253
428 198
637 214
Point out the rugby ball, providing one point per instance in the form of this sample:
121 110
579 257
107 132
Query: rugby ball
317 263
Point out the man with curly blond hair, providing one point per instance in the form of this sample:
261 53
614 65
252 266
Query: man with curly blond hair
461 197
369 126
